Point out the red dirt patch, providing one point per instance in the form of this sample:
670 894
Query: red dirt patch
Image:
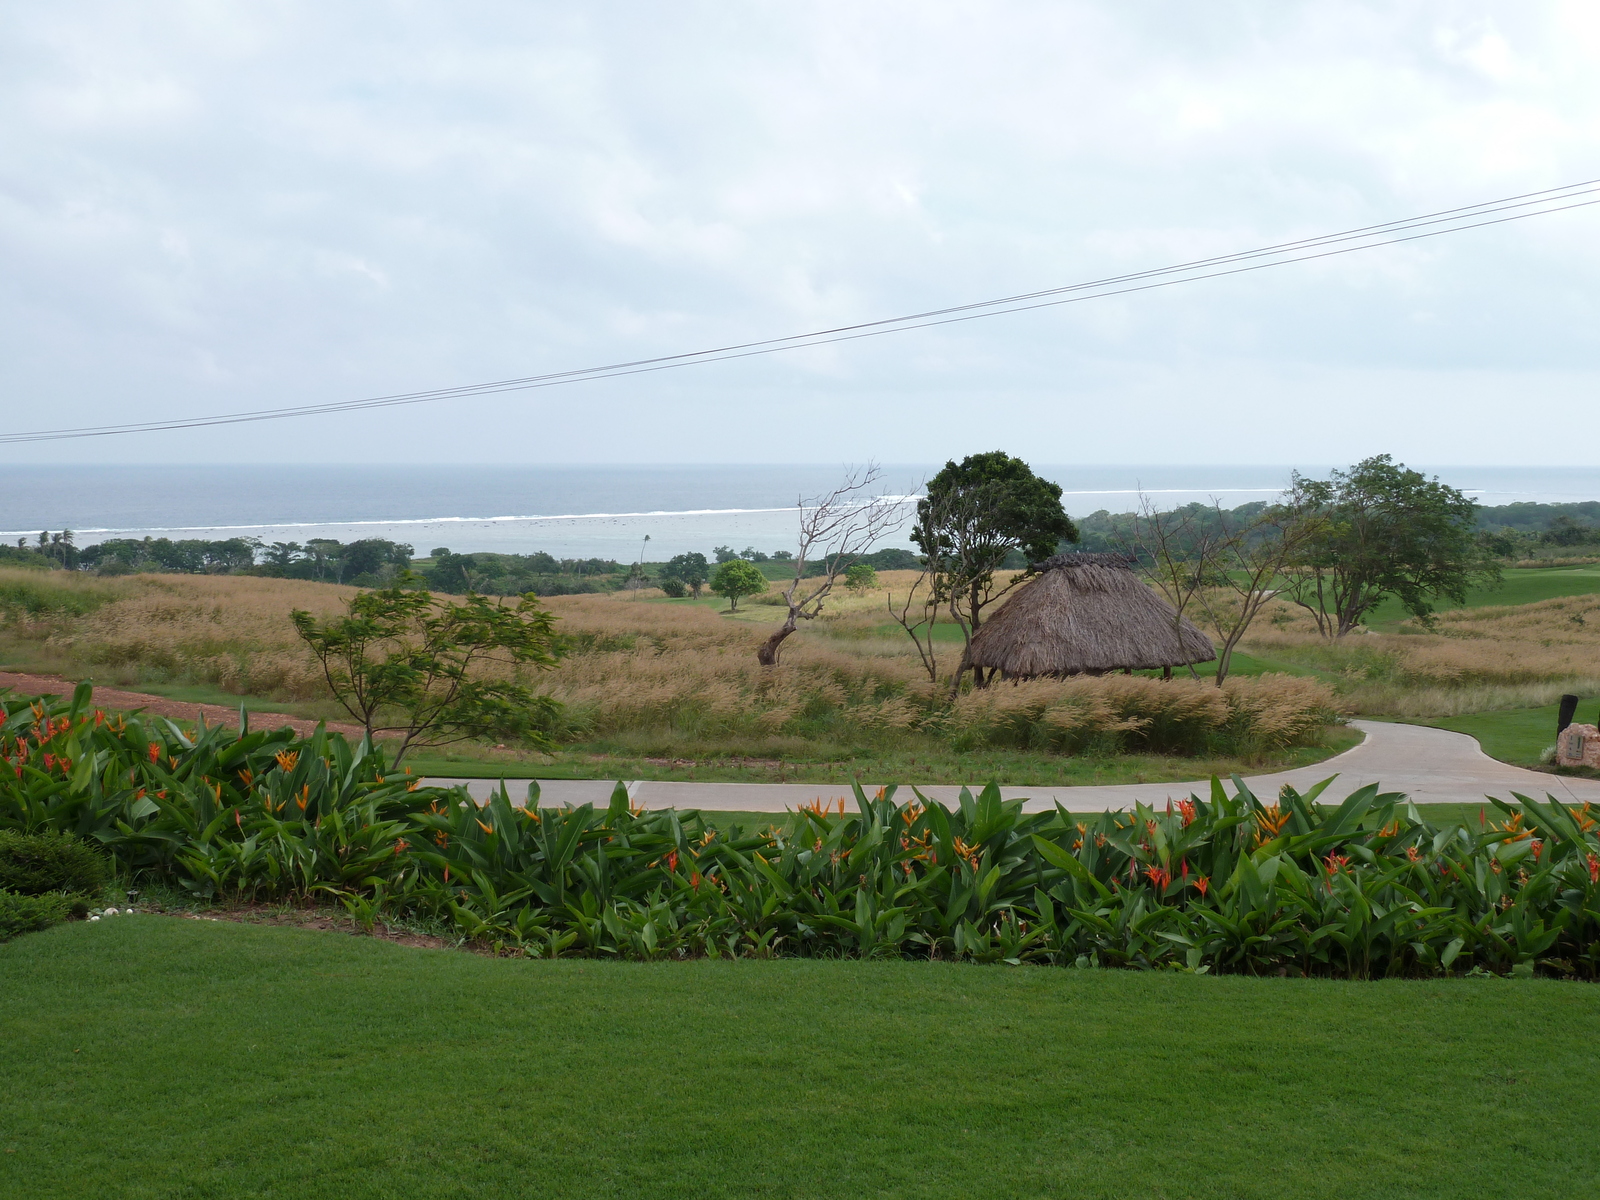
160 706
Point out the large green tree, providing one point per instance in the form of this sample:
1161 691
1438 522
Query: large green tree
975 514
1381 529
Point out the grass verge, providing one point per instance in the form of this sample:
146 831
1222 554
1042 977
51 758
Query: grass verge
927 765
151 1056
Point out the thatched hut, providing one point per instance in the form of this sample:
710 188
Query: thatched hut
1086 614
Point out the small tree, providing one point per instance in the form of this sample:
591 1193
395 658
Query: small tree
861 578
836 529
736 578
691 568
403 653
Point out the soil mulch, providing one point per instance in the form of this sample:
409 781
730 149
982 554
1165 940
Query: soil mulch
319 920
179 710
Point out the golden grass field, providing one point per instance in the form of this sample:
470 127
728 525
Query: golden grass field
646 668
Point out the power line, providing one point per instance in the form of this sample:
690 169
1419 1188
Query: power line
1388 233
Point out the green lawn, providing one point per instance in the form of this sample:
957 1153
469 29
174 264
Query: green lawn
1515 736
925 763
1520 585
158 1057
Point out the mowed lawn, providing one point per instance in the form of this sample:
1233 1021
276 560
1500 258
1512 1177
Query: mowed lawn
152 1056
1513 735
1518 585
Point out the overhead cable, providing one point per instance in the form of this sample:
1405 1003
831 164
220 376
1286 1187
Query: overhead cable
1388 233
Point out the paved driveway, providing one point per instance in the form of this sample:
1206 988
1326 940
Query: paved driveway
1433 766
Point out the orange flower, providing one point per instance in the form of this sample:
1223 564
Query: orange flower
1271 822
1594 869
1202 884
1186 809
155 751
304 797
287 759
482 826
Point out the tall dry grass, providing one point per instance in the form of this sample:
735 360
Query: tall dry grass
230 631
683 671
1472 660
1115 713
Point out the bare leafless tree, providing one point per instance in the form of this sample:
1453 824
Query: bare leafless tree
921 600
1244 566
1173 551
836 529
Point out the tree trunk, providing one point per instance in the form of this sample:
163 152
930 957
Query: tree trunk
767 654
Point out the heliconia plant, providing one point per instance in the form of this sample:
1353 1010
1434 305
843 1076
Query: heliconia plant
1220 883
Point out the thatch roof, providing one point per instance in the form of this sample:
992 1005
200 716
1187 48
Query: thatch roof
1086 613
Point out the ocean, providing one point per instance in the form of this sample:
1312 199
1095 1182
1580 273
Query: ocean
588 511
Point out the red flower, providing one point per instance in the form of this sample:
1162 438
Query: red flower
1202 884
694 879
1594 869
1336 863
1157 876
672 861
1537 846
155 751
1186 808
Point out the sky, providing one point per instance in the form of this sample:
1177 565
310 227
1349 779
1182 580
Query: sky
211 207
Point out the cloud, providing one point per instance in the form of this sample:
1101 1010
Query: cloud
208 208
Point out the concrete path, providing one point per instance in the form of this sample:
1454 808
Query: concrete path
1433 766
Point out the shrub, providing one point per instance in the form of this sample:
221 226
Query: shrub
25 914
674 587
34 864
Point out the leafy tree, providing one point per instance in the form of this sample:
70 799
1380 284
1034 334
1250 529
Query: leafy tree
1564 531
975 514
374 560
1381 529
430 665
736 578
691 569
724 554
860 578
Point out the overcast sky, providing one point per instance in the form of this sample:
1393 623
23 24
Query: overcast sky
210 207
